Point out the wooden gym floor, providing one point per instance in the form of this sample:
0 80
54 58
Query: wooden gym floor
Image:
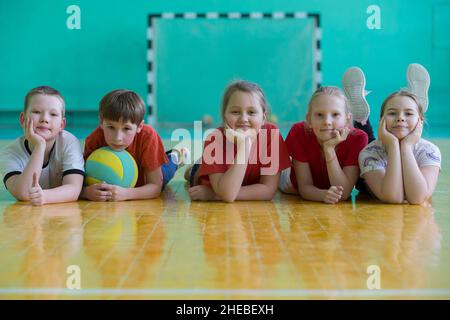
171 248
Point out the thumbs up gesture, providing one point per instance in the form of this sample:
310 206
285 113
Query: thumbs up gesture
35 193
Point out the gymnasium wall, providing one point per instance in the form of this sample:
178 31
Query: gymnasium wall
109 51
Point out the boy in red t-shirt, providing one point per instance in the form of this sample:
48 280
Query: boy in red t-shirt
121 115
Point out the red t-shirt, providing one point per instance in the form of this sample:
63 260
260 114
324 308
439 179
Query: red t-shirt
269 157
147 150
304 147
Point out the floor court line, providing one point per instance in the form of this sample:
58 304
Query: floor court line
445 293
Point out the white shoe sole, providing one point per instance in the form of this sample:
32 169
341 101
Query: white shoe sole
419 83
353 83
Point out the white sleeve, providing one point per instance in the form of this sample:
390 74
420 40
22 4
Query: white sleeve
429 155
72 160
372 158
11 161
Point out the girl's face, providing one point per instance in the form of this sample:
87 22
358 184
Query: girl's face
243 112
402 116
326 115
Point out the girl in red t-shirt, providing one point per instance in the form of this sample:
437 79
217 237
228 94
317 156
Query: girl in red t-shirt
324 150
243 159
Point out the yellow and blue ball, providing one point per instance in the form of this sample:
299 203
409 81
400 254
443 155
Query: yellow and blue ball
111 166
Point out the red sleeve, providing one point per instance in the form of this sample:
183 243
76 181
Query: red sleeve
152 150
281 158
93 142
296 142
358 140
285 160
213 157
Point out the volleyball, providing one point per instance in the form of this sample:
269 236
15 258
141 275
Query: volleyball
111 166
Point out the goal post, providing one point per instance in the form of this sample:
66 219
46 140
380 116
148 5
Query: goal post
191 57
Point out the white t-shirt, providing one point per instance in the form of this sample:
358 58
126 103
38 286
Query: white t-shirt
374 156
65 158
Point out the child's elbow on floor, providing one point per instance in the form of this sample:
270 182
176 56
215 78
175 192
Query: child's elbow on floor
303 194
269 196
227 197
20 196
391 198
394 200
418 200
157 194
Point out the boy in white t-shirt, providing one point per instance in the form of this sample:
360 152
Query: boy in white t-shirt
46 164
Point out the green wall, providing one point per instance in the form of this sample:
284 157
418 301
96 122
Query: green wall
196 59
110 49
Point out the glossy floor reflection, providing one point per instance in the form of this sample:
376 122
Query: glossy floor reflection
170 248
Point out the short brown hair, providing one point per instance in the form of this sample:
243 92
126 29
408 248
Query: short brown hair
244 86
403 93
122 105
44 90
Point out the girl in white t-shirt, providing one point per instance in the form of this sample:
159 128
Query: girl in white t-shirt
400 166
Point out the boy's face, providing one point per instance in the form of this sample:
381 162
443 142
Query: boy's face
119 134
46 113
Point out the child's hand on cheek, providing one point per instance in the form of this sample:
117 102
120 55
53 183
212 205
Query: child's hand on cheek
30 134
250 133
338 136
387 138
239 136
414 136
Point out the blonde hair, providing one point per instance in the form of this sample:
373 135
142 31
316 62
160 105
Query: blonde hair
44 90
122 105
244 86
403 93
330 91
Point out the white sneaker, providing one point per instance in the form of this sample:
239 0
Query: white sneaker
353 83
418 83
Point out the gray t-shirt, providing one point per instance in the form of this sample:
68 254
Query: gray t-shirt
65 158
374 156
